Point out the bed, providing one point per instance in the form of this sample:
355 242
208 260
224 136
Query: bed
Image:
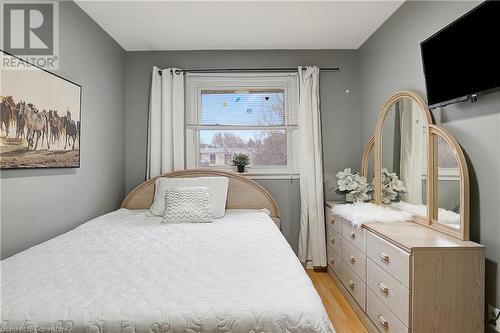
127 272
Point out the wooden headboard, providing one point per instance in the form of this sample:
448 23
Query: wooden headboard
243 193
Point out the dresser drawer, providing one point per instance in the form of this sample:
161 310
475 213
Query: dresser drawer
391 258
392 293
331 220
354 285
333 239
334 261
355 259
357 236
382 316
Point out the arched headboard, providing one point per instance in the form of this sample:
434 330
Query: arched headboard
243 193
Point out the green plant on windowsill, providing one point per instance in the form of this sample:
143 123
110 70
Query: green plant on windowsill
240 161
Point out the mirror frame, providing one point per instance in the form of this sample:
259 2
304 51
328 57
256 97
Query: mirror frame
424 220
366 156
432 133
436 131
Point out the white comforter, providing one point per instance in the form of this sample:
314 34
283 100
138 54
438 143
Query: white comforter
126 272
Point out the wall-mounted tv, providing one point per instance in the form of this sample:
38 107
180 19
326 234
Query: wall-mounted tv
463 59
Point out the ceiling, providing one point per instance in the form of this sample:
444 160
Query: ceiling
239 25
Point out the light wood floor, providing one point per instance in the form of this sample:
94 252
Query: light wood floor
343 318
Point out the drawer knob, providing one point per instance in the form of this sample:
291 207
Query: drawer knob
332 261
383 288
351 284
383 321
332 240
383 256
352 235
352 259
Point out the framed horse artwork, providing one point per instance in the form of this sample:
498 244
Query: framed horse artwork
40 115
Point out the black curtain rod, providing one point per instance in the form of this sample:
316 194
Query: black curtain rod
249 70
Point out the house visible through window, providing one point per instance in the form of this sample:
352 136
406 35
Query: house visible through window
227 159
250 115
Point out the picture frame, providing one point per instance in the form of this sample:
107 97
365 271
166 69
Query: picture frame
40 117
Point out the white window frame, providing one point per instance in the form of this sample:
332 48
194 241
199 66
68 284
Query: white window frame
288 82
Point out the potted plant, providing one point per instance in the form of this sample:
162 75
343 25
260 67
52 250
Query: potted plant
240 161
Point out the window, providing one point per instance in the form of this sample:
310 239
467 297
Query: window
245 113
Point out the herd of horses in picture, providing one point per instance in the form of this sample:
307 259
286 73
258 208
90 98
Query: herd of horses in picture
37 138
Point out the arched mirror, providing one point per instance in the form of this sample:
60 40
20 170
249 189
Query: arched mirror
401 155
418 166
450 204
367 161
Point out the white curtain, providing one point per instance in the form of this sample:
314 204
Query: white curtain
166 122
312 247
413 154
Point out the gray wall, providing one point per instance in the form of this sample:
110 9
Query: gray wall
339 112
390 61
37 205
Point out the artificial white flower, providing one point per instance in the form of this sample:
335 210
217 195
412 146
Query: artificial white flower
358 195
343 174
392 186
347 184
354 186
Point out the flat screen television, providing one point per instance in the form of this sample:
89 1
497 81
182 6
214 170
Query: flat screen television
463 59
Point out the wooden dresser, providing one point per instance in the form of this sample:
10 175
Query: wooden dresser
404 277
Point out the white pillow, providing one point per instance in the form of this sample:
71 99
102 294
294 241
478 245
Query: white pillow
219 187
219 193
162 185
188 204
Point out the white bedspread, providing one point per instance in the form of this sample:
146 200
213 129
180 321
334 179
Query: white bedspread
125 272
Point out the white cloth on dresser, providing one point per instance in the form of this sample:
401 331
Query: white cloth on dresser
361 212
126 272
445 216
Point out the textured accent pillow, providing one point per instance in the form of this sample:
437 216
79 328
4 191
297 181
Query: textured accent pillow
164 184
218 196
188 204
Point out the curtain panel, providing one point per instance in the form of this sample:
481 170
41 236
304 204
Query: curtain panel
165 152
312 247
